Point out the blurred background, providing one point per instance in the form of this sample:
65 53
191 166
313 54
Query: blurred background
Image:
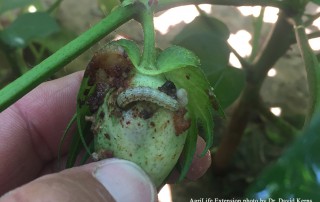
284 91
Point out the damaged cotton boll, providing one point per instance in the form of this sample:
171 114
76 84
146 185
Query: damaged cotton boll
150 141
147 116
133 118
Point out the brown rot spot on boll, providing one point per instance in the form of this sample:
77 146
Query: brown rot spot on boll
180 123
146 113
144 110
111 67
96 99
107 136
108 69
101 115
104 154
152 124
115 110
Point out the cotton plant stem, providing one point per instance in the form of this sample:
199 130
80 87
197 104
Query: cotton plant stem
244 63
257 28
311 19
54 6
15 65
313 35
149 51
45 69
234 130
275 47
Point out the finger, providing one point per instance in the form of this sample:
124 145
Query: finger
31 129
199 165
109 180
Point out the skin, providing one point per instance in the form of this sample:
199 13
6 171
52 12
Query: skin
30 131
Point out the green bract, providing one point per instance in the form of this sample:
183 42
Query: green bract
143 115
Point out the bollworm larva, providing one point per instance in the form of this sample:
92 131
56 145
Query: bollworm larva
148 94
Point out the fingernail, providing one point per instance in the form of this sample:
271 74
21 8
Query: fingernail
125 181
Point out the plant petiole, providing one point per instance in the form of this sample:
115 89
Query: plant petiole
148 60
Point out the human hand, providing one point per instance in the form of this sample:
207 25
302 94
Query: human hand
30 131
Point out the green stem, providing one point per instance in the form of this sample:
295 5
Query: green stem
41 53
34 51
276 46
20 61
313 35
54 6
245 64
38 54
257 27
312 68
149 51
45 69
16 62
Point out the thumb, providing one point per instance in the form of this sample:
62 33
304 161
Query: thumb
108 180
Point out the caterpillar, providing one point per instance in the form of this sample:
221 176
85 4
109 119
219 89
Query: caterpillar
143 93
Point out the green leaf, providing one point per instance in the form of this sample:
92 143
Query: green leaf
83 110
27 27
199 107
172 58
82 133
176 57
71 122
189 148
107 5
207 38
127 2
273 134
228 83
316 1
312 67
131 49
204 24
74 150
297 173
6 5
